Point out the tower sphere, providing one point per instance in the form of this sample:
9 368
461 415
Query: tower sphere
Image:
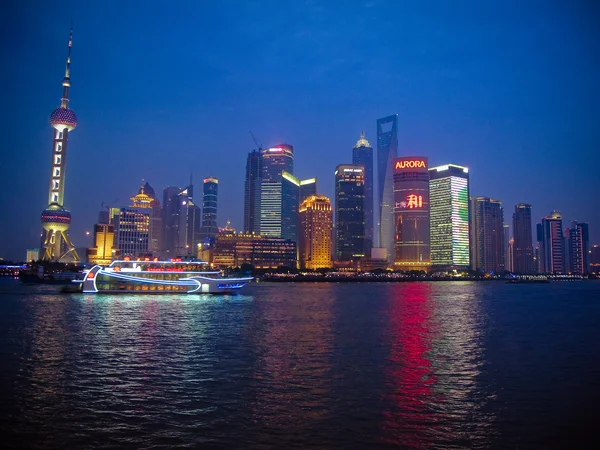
56 218
63 118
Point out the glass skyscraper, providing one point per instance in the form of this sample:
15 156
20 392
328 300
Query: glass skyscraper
362 154
449 213
487 234
181 222
252 192
387 149
411 213
349 212
523 241
275 161
209 227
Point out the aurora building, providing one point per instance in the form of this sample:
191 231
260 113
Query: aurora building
411 213
449 216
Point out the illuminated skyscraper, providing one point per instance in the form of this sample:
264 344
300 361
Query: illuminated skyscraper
579 248
105 249
349 212
308 187
523 242
449 213
181 222
209 227
552 244
252 192
146 198
411 213
362 154
487 234
316 224
387 149
55 218
275 161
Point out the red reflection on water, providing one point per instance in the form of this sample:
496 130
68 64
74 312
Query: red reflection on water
410 377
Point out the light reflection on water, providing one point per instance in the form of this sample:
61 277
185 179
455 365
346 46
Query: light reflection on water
411 365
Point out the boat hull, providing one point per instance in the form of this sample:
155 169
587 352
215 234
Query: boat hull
100 280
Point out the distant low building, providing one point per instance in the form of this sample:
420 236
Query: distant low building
233 250
33 254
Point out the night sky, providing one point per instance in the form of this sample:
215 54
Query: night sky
509 89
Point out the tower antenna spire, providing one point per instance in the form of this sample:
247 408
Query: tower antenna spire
67 80
67 69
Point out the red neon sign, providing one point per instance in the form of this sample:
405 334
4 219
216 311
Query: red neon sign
410 164
413 201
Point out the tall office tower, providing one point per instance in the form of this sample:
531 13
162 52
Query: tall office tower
188 231
552 245
181 222
252 192
132 227
362 154
349 212
308 187
146 198
579 248
290 194
105 249
507 260
449 233
523 242
209 227
316 223
487 234
387 149
275 161
55 218
411 213
170 222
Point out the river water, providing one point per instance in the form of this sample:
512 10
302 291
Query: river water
370 365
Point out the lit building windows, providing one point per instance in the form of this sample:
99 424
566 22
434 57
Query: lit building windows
57 159
56 172
55 184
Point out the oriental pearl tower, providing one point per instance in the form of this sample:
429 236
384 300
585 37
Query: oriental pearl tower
55 218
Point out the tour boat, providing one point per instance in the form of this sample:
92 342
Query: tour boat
158 277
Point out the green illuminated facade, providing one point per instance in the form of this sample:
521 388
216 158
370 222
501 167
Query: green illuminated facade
449 216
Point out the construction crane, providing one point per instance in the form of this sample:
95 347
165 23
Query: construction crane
255 141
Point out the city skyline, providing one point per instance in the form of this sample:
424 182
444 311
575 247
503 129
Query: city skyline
551 133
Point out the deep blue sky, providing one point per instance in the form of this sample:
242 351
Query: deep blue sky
162 89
